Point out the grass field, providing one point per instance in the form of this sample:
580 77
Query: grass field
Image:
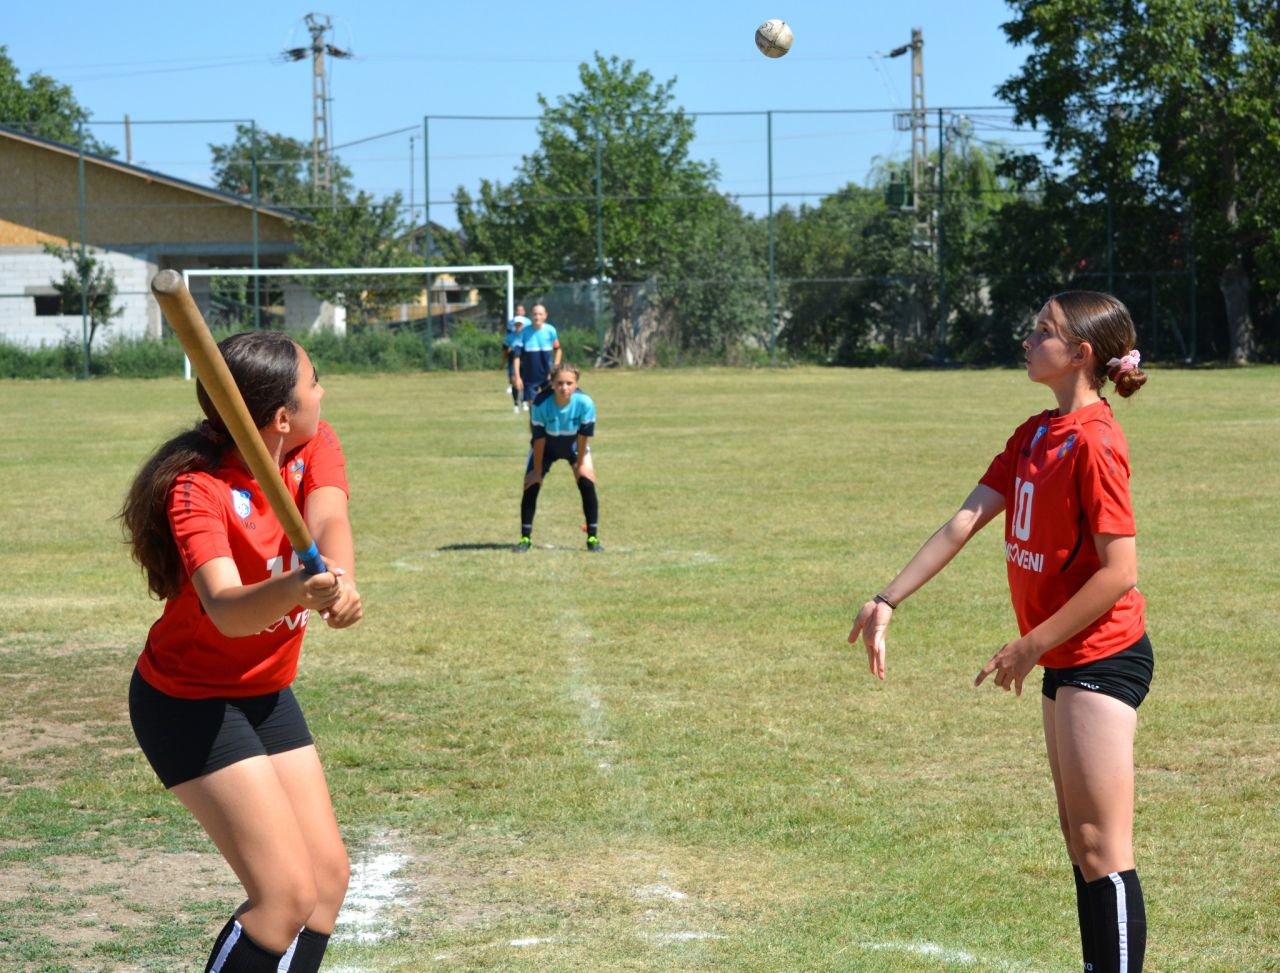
663 758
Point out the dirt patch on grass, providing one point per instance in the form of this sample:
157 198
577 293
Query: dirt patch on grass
78 901
19 739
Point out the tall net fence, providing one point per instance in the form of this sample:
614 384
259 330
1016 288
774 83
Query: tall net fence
799 255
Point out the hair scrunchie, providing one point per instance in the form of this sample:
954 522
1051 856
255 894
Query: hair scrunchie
1127 363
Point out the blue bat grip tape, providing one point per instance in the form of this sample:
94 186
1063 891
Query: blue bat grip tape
311 561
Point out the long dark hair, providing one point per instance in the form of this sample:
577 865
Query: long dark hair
264 365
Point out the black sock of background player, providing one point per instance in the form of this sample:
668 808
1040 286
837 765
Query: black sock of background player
515 395
308 951
1085 914
235 952
528 507
1119 922
590 505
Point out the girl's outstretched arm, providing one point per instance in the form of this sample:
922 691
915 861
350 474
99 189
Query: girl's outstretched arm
873 618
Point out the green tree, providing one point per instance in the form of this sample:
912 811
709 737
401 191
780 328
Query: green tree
975 192
360 233
88 276
283 167
43 106
1171 104
823 256
647 203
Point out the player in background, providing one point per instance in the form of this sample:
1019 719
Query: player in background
514 327
210 700
1063 484
562 420
536 352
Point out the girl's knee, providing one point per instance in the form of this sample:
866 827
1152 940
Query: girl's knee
333 876
286 907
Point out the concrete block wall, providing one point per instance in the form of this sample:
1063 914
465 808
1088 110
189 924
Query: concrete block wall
23 268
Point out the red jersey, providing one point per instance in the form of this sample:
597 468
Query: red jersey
1065 479
225 514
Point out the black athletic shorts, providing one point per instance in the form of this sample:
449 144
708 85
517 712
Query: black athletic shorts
557 448
188 738
1125 675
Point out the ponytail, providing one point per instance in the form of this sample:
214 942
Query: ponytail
144 517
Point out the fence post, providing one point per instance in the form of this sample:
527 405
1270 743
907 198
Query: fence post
773 273
426 224
253 166
942 266
84 256
1111 282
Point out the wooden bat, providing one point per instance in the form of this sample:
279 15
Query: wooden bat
188 324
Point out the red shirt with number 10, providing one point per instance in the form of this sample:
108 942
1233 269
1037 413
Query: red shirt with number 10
1065 479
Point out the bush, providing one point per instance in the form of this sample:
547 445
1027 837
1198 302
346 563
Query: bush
363 350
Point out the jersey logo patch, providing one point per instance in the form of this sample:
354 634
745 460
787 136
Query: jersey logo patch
240 501
296 468
1066 447
1040 431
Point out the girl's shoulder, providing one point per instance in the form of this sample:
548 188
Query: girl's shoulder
324 441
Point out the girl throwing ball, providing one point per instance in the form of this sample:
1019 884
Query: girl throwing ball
1063 484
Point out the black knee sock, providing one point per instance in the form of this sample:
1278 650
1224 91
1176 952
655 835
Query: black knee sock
528 507
515 395
235 952
1119 922
308 951
590 505
1084 913
217 943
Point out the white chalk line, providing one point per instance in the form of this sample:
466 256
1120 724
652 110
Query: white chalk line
949 955
661 892
373 891
584 692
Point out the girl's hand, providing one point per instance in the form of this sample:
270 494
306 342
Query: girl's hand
534 476
872 622
1011 664
319 591
347 608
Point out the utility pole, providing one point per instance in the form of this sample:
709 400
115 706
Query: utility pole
321 163
918 124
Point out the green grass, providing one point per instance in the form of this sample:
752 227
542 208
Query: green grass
665 757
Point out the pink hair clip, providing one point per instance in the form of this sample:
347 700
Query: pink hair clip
1127 363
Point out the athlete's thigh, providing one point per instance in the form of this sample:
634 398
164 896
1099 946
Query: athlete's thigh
1051 746
302 778
246 812
1094 734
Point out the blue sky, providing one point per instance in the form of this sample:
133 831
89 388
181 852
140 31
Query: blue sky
186 61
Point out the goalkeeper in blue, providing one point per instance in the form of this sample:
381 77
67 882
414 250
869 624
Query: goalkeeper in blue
562 419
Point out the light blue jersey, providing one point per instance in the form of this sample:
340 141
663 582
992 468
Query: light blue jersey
576 418
536 349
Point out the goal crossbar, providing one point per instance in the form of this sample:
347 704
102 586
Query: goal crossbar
427 272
